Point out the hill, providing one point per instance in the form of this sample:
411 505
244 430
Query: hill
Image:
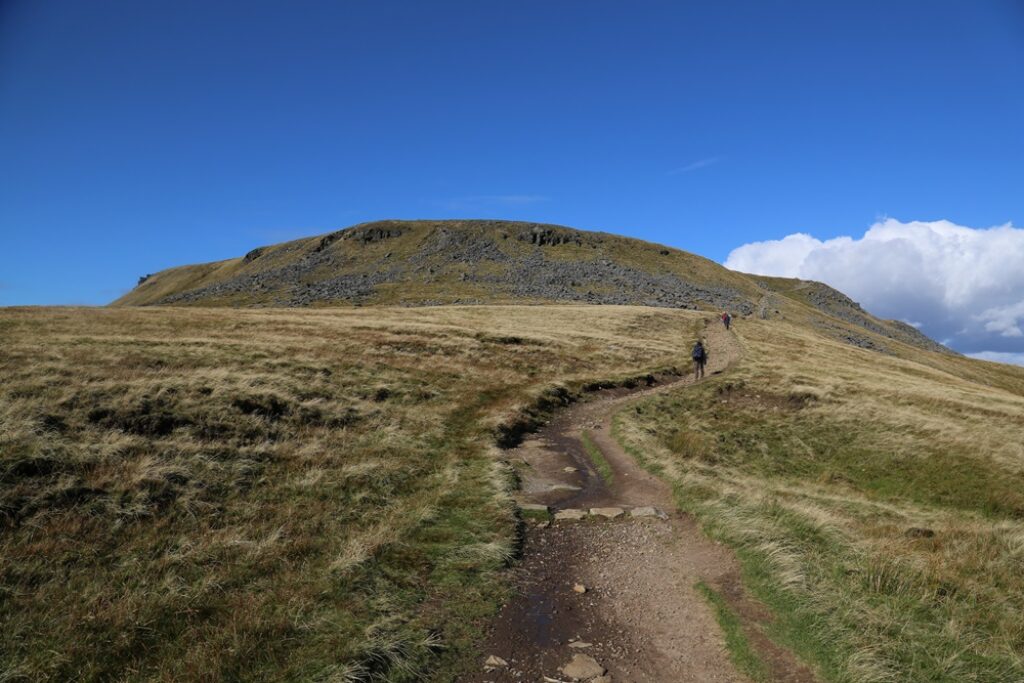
440 262
485 262
194 493
209 482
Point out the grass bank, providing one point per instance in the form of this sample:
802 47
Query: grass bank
876 501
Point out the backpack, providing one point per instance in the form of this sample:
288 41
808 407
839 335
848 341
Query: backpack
698 351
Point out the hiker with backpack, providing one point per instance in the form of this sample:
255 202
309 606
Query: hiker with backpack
700 358
726 319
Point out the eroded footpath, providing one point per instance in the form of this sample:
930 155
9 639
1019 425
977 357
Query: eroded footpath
606 591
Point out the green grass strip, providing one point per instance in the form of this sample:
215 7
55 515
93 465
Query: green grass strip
740 652
597 457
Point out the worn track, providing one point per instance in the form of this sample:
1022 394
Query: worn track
641 615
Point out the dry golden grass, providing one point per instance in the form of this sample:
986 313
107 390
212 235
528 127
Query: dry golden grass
877 500
214 494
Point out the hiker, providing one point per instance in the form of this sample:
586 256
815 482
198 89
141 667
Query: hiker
726 319
700 357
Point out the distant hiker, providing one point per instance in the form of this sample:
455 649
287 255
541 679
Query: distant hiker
726 319
700 357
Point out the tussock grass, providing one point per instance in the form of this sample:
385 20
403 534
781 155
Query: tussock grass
604 468
216 494
877 501
740 651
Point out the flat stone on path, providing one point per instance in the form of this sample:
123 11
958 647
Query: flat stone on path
533 507
579 645
563 487
610 513
573 514
646 511
583 667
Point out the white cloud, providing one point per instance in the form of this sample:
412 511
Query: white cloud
960 284
1004 320
998 357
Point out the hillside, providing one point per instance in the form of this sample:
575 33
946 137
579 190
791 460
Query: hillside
194 493
835 304
876 502
210 494
480 262
306 489
438 262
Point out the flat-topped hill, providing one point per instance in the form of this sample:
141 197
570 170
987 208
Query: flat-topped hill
432 262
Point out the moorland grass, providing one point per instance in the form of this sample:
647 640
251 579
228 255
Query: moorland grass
875 502
740 651
217 494
601 463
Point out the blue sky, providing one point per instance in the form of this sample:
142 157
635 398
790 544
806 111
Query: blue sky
140 135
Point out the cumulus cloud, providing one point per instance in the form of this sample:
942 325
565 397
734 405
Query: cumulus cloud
963 286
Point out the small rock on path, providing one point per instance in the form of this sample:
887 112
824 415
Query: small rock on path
583 668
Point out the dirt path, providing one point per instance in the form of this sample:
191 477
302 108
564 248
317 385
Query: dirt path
639 616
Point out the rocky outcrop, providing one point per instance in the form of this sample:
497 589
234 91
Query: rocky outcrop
542 236
482 264
254 254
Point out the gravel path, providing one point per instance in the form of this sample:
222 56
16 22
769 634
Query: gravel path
607 600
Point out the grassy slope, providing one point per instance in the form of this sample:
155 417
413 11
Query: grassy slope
819 461
443 282
831 302
212 494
